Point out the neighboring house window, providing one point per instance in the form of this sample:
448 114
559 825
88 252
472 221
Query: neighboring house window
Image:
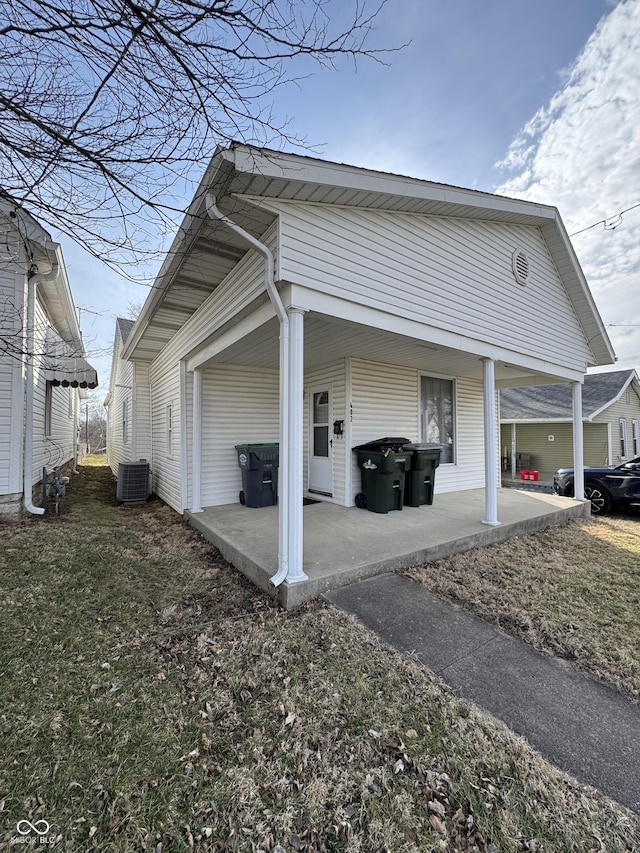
437 421
623 439
169 423
636 438
48 408
125 421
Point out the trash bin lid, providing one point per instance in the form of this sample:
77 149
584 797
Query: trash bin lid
396 445
423 445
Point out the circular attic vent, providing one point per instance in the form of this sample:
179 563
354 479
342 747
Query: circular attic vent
520 265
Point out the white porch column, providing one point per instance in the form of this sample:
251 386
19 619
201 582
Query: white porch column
196 454
295 571
490 444
578 443
514 450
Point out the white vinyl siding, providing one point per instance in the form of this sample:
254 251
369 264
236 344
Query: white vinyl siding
168 426
141 415
120 414
385 402
165 391
451 274
240 404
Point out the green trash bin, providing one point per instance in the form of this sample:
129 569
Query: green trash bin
420 478
259 465
382 466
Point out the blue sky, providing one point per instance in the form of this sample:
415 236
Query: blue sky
535 100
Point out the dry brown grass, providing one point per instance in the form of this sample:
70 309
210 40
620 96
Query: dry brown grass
573 592
154 700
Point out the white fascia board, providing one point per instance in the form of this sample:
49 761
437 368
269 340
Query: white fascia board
323 303
291 167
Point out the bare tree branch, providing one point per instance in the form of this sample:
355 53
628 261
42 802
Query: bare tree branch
107 105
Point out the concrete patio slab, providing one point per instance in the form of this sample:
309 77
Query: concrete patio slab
345 544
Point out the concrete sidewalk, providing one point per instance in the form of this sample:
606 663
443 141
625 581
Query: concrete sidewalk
581 726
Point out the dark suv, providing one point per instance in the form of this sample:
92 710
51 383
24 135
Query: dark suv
606 488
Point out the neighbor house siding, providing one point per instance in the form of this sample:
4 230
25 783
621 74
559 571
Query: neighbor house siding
240 404
548 456
451 274
333 376
622 410
58 445
11 383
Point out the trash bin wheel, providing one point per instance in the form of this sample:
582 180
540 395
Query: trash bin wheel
361 500
242 497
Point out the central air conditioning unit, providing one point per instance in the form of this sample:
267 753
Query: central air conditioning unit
133 481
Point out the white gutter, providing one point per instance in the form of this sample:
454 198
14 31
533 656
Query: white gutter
274 296
32 285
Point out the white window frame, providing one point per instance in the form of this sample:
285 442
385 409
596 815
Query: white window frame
635 437
454 413
623 438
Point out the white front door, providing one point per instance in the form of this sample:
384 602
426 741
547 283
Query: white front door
320 442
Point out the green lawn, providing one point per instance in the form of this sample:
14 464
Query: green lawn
152 699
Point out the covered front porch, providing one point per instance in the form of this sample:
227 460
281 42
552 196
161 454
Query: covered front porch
344 544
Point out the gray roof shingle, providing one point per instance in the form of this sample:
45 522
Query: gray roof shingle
544 402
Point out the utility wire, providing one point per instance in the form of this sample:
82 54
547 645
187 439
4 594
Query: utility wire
609 224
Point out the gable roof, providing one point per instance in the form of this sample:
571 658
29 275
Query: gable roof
124 326
203 252
555 402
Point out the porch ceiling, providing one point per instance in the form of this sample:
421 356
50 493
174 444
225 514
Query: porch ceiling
328 339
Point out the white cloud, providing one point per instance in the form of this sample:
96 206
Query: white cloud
581 153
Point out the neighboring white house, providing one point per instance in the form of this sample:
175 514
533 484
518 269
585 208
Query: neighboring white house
42 365
127 404
322 306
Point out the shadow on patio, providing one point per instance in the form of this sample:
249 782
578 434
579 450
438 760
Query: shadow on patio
345 544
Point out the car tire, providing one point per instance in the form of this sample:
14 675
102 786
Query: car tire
599 497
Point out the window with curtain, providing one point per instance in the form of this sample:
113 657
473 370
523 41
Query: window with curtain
437 422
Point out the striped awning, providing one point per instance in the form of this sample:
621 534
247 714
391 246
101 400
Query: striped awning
73 370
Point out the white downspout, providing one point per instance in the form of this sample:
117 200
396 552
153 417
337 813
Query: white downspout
32 285
274 296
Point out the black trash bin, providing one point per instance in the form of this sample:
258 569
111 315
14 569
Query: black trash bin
259 466
382 466
420 479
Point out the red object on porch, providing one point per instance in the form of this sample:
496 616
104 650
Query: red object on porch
529 475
